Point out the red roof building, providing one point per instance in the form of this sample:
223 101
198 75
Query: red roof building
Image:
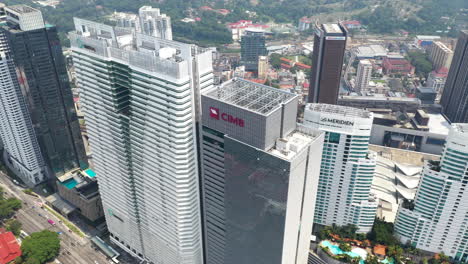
352 24
206 8
302 65
285 66
9 247
397 66
223 11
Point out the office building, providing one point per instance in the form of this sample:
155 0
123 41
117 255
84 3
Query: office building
455 96
139 97
440 55
436 220
252 47
149 21
263 67
39 125
364 74
347 169
260 175
327 63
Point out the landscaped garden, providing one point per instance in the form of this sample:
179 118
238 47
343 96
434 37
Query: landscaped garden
379 246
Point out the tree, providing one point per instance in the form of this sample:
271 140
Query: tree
8 206
371 259
40 247
13 226
396 252
382 233
345 247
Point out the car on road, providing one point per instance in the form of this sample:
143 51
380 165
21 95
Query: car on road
50 221
23 234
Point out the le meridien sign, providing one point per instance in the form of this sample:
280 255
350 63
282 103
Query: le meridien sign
336 121
216 114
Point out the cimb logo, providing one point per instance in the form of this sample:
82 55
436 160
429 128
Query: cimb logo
216 114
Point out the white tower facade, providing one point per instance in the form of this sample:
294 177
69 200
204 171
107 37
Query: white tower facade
140 96
16 130
364 74
436 220
347 169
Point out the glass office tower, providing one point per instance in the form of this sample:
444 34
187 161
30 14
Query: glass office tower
260 175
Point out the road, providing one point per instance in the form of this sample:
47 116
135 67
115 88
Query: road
73 248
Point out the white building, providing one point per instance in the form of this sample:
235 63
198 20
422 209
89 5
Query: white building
347 168
16 130
140 97
149 21
363 77
437 219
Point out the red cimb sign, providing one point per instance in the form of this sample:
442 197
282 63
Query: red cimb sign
216 114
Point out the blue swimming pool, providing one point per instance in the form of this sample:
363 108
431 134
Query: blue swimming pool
90 173
337 251
70 183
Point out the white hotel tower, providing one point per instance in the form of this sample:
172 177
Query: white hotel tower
347 168
139 95
437 220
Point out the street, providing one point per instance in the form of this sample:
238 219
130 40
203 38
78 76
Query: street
74 249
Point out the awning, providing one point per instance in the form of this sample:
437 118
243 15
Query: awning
62 205
109 251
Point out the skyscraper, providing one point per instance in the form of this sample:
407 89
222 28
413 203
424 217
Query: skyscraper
252 47
347 169
139 96
34 68
455 95
436 220
364 74
260 175
327 63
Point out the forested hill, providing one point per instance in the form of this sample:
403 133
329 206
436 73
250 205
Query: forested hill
381 16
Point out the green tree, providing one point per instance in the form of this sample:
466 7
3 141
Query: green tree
382 233
8 206
13 226
40 247
18 260
345 247
371 259
275 60
396 252
421 62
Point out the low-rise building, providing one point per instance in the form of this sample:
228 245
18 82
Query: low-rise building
381 101
397 66
420 131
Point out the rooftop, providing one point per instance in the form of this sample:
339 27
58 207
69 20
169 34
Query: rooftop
343 111
22 9
289 146
9 247
332 28
463 128
251 96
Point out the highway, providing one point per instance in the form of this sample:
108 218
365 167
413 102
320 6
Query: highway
74 249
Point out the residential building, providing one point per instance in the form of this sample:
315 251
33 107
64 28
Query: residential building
260 174
344 191
363 77
327 63
440 55
139 95
397 66
455 96
305 23
149 21
437 79
263 67
436 220
252 47
39 126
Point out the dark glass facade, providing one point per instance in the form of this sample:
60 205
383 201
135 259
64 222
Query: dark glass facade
256 192
252 47
42 74
455 95
327 64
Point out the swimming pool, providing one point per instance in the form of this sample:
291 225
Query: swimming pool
337 251
70 183
90 173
